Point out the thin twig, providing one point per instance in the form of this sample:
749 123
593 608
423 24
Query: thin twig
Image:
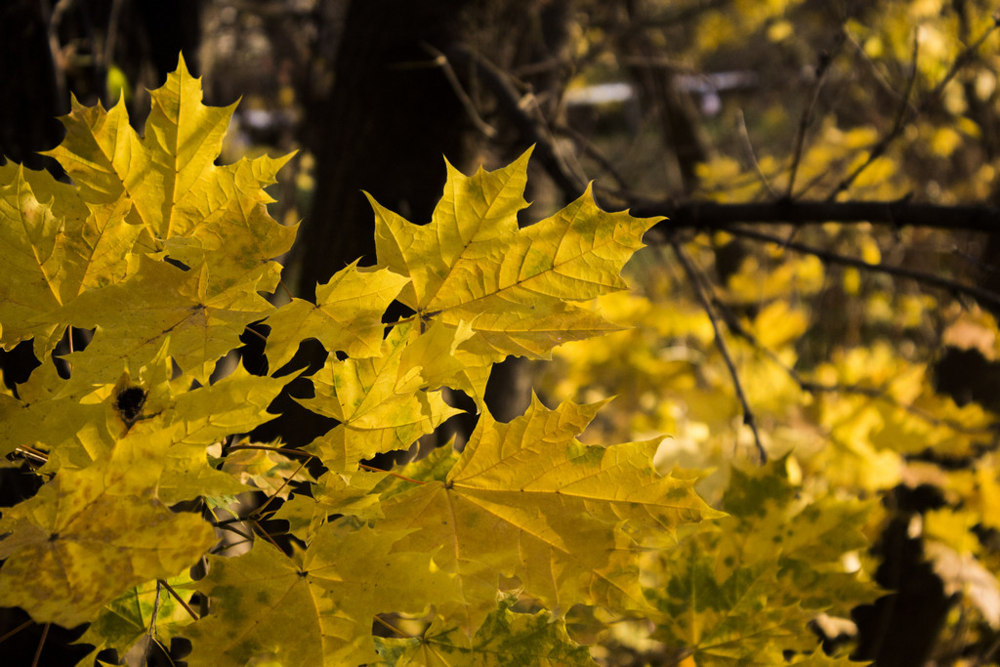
897 128
879 76
267 536
260 510
53 20
907 112
720 343
741 125
256 333
156 609
441 60
16 630
287 291
392 628
280 450
923 277
530 125
592 152
805 120
389 472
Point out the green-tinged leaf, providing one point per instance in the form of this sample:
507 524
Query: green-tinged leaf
527 499
127 619
505 638
315 608
91 534
346 493
744 590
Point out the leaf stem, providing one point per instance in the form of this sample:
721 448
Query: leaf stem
41 644
280 450
392 628
16 630
180 600
260 510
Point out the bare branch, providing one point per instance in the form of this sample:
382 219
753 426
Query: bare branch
470 108
712 215
531 128
751 155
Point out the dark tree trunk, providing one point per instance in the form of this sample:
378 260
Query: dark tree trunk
390 117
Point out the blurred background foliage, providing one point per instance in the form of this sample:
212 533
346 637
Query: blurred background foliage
860 355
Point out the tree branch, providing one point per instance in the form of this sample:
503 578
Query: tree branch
712 215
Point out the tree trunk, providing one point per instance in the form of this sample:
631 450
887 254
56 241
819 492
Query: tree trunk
390 116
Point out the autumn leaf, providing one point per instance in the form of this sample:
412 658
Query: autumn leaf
89 535
347 315
379 410
315 608
53 246
127 619
526 499
170 165
160 302
745 590
472 263
505 638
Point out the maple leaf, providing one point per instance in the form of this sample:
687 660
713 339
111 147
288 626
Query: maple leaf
344 493
315 608
505 638
527 499
347 315
53 246
268 471
43 419
473 264
128 618
743 590
88 535
379 410
171 165
159 302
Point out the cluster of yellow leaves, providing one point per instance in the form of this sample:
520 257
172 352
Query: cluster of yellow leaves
851 420
166 258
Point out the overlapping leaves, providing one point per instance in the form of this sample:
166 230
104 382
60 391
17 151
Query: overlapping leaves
166 256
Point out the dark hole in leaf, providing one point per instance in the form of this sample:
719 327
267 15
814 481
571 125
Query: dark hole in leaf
129 403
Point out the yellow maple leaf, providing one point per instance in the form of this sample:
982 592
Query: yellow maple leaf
347 315
314 608
379 411
527 499
515 287
75 545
